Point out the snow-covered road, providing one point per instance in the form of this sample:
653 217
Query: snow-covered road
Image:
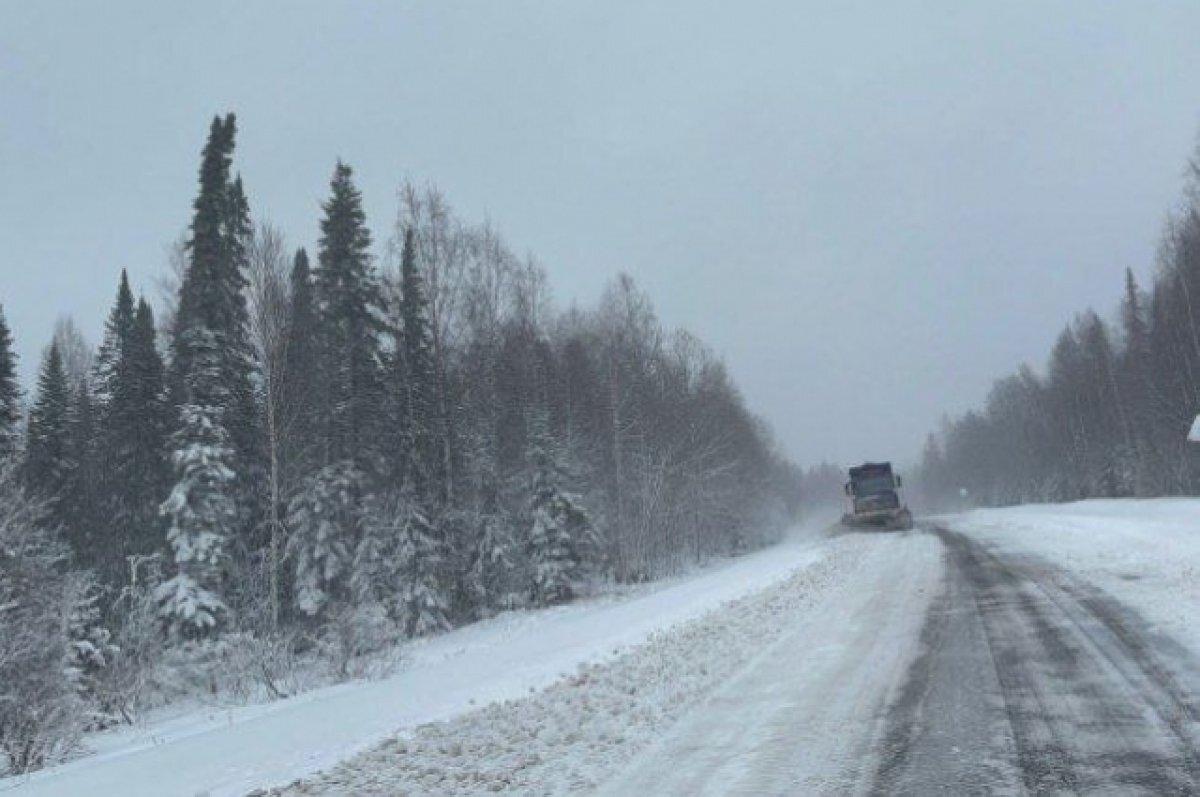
1034 681
987 660
802 717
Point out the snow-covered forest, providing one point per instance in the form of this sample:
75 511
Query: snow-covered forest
1110 415
294 459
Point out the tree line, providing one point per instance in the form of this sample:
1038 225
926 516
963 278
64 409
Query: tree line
1110 414
297 456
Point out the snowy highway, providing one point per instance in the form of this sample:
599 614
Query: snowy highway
1031 680
979 654
803 717
1017 677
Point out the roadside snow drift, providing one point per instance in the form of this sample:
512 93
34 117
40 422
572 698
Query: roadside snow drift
572 736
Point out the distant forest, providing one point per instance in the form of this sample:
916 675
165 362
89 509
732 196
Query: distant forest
296 459
1110 415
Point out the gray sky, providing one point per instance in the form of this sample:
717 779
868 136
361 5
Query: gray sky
870 209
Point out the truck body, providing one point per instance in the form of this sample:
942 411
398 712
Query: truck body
875 499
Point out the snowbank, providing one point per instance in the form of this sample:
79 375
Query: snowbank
580 731
235 751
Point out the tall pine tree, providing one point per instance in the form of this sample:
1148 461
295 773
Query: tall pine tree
82 518
133 429
416 454
48 464
301 377
10 394
243 413
349 310
215 444
117 330
212 297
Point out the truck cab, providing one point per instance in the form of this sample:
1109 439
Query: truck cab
875 499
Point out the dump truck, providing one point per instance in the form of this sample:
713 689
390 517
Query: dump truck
875 499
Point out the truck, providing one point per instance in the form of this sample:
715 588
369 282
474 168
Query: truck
875 499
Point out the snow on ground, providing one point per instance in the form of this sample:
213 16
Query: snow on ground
218 752
1145 553
580 731
805 716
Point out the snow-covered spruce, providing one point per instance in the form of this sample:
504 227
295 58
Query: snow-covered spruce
560 534
202 514
575 734
325 516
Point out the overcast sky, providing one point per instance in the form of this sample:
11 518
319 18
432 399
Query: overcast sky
871 210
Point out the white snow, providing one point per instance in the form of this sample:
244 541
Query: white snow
542 701
1145 553
805 711
575 735
234 751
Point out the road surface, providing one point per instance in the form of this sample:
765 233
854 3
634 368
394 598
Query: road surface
1013 677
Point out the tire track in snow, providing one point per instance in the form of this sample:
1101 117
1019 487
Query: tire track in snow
1070 694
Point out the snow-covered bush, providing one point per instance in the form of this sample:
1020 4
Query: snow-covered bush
356 640
235 668
128 685
43 651
93 652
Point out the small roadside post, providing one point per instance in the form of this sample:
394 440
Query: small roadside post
1194 434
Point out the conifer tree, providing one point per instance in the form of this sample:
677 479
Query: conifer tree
1135 362
423 601
10 394
136 434
47 448
132 429
416 456
560 531
82 518
349 308
117 331
60 456
325 516
200 509
201 293
212 297
302 376
491 564
243 421
212 382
